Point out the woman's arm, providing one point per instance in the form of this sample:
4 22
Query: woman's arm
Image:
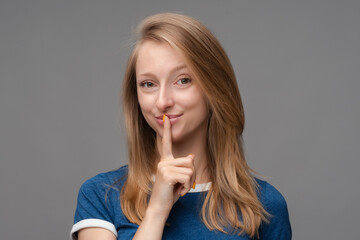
93 233
174 177
151 227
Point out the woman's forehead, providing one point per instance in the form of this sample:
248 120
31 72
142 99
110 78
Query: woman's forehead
157 54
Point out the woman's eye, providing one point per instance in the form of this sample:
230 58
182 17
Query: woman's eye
147 84
183 81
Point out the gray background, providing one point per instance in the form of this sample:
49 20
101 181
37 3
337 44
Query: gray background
61 65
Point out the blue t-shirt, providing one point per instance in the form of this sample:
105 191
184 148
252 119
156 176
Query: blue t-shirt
99 206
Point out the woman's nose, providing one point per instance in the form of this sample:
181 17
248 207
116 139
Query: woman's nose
165 99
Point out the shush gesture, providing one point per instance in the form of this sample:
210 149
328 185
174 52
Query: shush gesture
178 67
174 176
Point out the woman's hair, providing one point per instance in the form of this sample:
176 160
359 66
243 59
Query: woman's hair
232 201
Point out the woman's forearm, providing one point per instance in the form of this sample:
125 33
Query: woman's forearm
152 226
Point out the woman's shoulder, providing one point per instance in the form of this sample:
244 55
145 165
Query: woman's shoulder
107 179
98 201
279 226
270 197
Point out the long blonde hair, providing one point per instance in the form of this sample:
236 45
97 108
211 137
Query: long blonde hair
232 200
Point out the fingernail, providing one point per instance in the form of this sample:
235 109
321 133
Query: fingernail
193 186
191 155
164 118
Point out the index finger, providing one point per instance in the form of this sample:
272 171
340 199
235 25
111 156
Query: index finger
166 139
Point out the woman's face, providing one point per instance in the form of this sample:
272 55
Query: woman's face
165 85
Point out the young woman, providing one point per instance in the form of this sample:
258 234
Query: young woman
187 177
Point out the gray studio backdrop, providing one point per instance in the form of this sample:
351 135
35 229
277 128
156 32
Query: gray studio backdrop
61 65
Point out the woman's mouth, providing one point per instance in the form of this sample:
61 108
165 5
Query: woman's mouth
172 117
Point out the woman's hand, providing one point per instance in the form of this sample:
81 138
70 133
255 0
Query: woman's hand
174 177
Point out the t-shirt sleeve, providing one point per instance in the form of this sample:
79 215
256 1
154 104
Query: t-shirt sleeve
93 209
279 223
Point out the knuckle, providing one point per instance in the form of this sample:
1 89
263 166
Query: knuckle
161 168
160 165
167 177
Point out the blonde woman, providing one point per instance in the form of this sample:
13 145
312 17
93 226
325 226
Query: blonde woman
187 177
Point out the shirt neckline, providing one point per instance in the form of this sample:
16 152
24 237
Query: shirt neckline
201 187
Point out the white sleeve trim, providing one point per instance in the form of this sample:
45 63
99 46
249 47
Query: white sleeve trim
92 222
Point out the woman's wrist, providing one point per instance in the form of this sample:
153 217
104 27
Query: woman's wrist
158 213
152 226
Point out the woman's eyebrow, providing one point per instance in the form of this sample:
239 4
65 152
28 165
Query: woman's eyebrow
174 70
178 68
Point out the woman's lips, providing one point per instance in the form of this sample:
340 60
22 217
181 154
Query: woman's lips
172 117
